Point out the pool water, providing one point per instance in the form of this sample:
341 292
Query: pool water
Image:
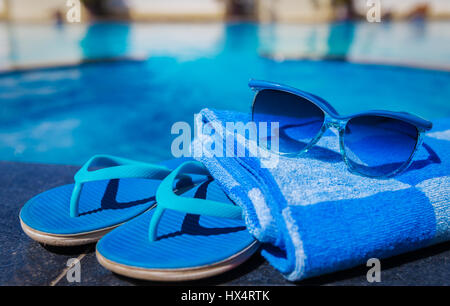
65 115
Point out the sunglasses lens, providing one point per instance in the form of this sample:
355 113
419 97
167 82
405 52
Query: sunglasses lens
378 146
299 119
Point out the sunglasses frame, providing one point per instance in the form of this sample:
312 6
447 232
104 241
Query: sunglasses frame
333 119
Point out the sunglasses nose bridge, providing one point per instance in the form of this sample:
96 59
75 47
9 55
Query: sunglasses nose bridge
335 123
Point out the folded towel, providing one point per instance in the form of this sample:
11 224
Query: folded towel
314 215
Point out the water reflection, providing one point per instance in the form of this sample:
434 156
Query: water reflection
417 42
183 41
311 41
409 43
106 40
26 45
340 40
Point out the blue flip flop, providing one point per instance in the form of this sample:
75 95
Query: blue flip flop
190 236
98 201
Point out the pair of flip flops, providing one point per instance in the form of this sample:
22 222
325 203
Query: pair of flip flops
166 222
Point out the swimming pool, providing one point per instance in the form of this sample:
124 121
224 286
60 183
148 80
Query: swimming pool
127 107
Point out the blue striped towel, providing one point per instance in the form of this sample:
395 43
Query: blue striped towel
315 216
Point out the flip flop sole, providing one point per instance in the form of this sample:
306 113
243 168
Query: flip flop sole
187 247
182 274
66 240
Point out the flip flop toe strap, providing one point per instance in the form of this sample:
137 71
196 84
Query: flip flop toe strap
115 168
167 199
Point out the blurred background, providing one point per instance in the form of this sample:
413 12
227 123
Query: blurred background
116 81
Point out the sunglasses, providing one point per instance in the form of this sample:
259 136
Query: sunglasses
372 144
